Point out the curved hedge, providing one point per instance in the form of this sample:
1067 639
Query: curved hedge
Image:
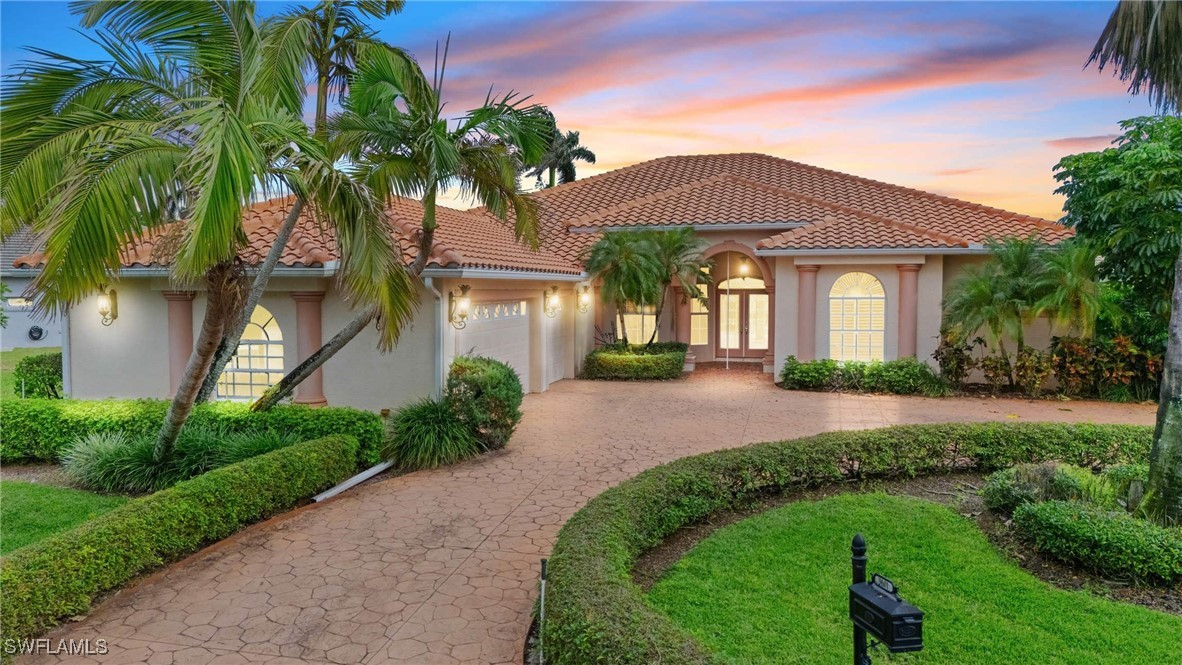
657 362
39 429
595 614
60 576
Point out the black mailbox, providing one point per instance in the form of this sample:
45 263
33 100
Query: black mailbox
875 607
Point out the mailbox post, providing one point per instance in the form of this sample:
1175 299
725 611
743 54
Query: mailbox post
877 610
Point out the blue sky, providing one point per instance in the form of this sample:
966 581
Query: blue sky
975 100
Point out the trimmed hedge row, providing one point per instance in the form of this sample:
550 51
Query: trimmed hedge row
658 362
40 429
60 576
1111 543
906 376
595 614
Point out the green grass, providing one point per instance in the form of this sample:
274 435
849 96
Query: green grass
8 361
30 512
773 589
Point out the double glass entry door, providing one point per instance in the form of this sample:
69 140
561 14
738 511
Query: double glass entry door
742 324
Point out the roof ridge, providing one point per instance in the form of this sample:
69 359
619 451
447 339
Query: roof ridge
918 192
648 198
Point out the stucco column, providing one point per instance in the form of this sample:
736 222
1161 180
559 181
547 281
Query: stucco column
806 315
769 357
682 326
311 390
180 335
908 308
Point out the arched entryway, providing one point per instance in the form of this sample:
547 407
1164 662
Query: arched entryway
742 309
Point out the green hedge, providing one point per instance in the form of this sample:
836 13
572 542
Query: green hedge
658 362
595 614
40 429
60 576
906 376
486 395
1111 543
39 376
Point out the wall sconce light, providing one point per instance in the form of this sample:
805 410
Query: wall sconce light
744 268
552 301
585 299
458 307
108 306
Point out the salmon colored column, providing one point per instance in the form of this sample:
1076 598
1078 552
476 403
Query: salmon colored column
908 309
769 358
682 325
806 314
180 335
311 391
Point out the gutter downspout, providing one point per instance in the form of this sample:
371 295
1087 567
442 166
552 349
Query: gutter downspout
429 282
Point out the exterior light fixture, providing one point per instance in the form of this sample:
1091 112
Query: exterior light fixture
108 306
879 613
552 302
585 299
744 268
458 307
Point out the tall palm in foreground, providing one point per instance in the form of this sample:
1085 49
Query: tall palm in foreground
400 143
625 264
183 121
679 253
328 35
559 159
1143 43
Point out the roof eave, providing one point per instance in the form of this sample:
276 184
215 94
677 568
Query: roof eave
872 250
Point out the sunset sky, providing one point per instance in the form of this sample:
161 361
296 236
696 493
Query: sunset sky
973 100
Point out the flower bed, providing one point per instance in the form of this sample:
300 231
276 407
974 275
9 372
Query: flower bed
596 614
657 362
62 575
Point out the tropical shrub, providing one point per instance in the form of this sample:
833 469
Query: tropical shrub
61 576
660 361
812 375
1007 489
1110 543
1112 368
996 369
1031 370
1073 363
906 376
39 375
41 429
117 463
427 434
486 395
596 614
954 355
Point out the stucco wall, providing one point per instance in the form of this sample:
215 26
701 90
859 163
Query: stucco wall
20 320
128 358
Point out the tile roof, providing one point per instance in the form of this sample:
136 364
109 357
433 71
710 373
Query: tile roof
20 243
462 240
840 211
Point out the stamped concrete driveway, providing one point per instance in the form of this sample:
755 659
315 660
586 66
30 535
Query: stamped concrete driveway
441 566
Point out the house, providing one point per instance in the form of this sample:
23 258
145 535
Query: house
26 328
807 262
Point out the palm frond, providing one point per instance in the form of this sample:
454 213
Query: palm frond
1143 43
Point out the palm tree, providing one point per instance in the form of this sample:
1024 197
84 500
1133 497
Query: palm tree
679 253
560 156
400 144
183 122
1142 41
1072 293
626 266
328 35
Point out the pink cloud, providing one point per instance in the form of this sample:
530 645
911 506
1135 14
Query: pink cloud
1073 144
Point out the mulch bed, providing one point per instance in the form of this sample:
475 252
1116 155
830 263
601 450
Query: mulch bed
956 490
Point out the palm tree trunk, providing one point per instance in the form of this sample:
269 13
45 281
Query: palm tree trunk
660 309
288 383
222 297
620 318
553 173
1164 494
229 343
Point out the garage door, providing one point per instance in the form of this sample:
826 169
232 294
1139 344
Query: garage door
557 349
498 330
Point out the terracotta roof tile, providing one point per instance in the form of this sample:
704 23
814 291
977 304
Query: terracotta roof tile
862 232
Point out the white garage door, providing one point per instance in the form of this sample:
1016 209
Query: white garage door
557 349
498 330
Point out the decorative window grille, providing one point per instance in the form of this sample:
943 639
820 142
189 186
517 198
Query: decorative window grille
857 318
259 361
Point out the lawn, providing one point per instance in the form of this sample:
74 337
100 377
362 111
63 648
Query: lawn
30 512
8 361
773 589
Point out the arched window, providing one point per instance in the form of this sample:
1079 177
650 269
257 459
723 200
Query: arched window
259 361
857 318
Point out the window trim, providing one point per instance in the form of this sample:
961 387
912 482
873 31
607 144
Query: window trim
838 335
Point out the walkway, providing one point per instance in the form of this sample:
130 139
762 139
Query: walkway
441 566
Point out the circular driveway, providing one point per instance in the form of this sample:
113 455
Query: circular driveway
441 566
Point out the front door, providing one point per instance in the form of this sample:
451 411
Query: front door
742 324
